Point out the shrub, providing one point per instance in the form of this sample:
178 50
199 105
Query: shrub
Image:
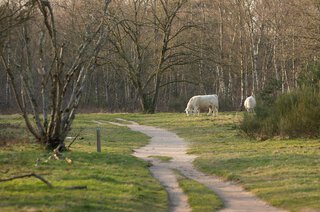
300 113
295 114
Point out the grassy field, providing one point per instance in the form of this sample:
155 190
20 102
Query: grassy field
116 180
286 173
200 198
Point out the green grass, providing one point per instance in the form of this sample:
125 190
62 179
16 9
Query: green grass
200 198
285 173
116 180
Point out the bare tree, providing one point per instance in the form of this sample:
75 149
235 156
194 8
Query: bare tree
147 39
48 84
158 51
13 14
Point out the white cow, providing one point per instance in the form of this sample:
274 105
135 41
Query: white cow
250 103
203 102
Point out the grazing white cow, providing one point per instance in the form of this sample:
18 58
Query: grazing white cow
203 102
250 103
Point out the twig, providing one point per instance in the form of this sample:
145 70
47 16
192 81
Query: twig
75 138
56 152
75 187
4 171
28 175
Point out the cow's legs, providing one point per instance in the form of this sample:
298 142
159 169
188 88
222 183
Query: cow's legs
210 111
215 111
197 110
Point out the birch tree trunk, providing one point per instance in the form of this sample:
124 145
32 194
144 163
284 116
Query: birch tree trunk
275 64
243 72
220 69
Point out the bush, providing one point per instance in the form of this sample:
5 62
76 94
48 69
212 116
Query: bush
295 114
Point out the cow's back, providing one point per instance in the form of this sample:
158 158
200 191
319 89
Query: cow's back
250 102
206 101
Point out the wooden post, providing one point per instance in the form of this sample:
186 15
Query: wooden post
98 140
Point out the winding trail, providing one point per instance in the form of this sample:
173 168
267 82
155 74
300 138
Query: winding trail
165 143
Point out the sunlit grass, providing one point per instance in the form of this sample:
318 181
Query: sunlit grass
200 198
285 173
115 180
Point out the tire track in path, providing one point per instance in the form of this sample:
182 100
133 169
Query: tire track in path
166 143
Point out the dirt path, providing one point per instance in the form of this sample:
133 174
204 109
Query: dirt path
165 143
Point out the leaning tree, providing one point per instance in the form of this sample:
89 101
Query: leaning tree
49 70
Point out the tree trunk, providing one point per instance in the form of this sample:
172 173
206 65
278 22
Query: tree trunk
56 80
147 104
8 94
275 65
97 90
243 78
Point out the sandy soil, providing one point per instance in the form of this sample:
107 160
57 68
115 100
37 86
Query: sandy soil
165 143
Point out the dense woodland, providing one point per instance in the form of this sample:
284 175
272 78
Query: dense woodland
156 54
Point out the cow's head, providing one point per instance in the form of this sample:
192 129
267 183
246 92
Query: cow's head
188 111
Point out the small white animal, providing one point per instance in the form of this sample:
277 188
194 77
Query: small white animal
250 103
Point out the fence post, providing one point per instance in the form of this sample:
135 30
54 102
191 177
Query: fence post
98 140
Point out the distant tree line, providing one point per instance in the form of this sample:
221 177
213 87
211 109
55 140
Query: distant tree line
155 54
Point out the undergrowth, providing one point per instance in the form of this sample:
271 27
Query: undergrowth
292 115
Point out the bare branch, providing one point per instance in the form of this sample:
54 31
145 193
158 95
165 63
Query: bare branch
29 175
